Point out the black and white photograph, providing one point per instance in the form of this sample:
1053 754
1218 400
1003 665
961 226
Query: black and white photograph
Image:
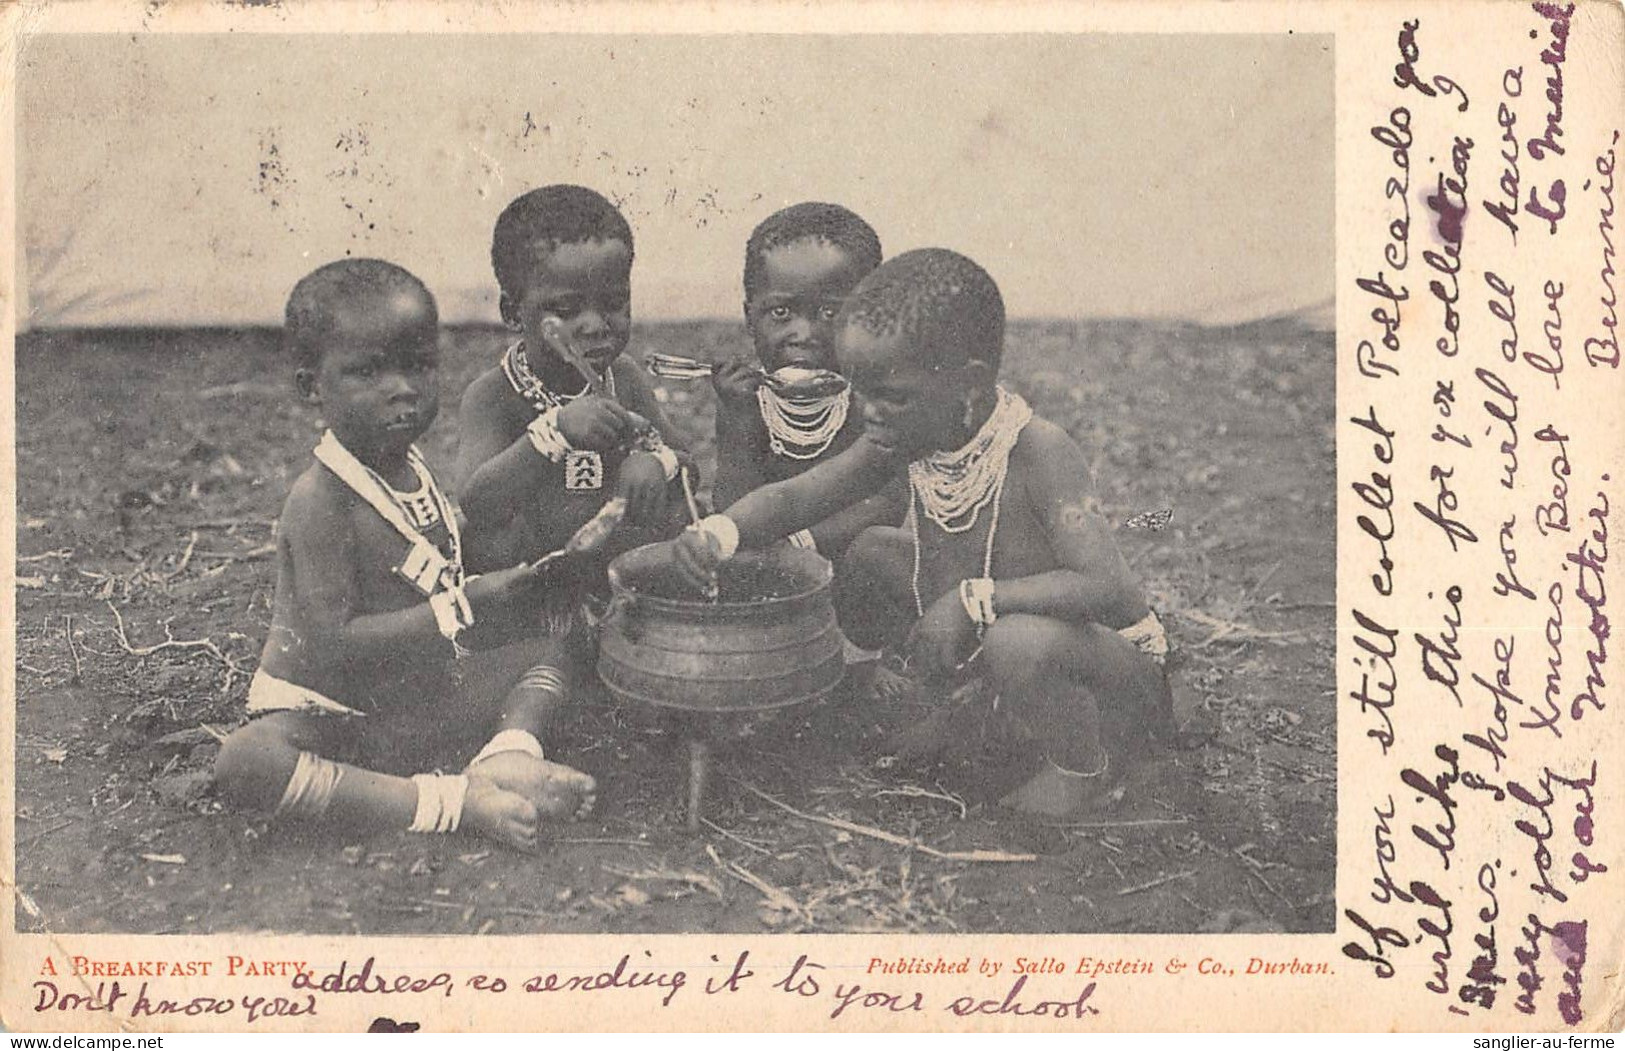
737 483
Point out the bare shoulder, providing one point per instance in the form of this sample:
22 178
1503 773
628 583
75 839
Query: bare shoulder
1046 447
487 394
317 504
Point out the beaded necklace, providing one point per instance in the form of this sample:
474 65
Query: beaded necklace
425 566
583 468
987 554
422 505
528 385
952 488
802 428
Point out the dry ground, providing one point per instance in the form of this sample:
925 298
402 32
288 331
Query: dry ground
152 464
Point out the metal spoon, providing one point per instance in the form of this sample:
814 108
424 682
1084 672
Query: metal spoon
553 335
590 537
791 379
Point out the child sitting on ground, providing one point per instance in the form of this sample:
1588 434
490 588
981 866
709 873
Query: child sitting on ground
800 265
358 676
562 427
1002 565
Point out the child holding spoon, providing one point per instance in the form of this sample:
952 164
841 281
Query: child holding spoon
780 415
564 428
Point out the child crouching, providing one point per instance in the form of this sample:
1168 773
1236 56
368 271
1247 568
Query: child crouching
1002 568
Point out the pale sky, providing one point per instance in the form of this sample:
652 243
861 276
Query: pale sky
192 179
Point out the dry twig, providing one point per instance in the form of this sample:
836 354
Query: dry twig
186 559
170 643
1255 869
742 841
252 555
776 898
42 833
1147 822
1159 881
233 523
530 914
668 875
892 837
73 650
41 557
204 645
1235 631
916 792
1259 584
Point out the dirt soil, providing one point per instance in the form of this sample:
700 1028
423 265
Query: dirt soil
151 466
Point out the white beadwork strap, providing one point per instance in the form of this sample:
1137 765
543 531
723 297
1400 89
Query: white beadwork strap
723 530
546 438
440 802
310 788
452 613
425 566
511 740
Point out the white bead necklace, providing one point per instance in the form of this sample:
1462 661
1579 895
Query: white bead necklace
802 428
987 553
953 487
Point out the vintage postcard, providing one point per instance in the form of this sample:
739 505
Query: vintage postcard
1027 517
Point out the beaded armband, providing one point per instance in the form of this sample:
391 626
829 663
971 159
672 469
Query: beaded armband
546 438
440 802
976 595
723 533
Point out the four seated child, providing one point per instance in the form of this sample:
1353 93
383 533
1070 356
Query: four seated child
800 265
358 675
1002 564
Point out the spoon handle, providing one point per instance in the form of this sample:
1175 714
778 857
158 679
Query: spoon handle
553 335
677 367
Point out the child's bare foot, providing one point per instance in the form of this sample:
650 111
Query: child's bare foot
881 679
888 684
496 813
557 791
1056 794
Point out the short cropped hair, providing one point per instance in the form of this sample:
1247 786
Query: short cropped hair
551 216
947 307
815 220
309 316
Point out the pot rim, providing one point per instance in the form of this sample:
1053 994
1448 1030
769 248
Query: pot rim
823 573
